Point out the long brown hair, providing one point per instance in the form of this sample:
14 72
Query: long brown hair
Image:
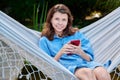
48 29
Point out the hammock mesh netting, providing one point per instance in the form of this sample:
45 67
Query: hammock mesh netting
18 64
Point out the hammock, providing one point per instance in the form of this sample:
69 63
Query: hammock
19 49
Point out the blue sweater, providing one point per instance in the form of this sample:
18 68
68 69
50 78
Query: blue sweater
73 61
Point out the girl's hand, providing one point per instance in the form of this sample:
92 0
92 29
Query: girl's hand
75 49
70 49
78 50
66 49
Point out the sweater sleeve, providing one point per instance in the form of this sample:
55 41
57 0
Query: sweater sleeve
86 46
44 45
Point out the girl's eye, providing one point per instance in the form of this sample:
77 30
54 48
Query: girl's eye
64 19
56 18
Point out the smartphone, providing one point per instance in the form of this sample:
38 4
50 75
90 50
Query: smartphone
74 42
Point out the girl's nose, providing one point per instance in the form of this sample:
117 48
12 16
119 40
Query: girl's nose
60 22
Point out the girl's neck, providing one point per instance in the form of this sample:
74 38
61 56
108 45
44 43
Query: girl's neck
59 34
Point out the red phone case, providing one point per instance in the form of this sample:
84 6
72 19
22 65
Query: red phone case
74 42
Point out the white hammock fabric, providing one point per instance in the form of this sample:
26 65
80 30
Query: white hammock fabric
19 44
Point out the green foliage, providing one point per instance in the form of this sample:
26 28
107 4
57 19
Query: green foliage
35 17
33 12
19 9
39 17
43 15
106 6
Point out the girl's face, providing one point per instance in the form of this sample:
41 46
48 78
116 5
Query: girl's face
59 22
